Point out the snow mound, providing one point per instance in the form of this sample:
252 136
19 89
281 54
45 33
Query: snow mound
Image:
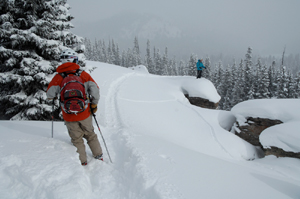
285 136
280 109
200 88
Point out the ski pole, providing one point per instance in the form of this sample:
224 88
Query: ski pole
101 136
52 116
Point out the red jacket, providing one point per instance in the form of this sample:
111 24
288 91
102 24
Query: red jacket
91 88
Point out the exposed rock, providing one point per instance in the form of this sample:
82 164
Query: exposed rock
281 153
253 129
204 103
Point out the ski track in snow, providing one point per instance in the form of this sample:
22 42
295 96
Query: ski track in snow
112 115
127 172
136 180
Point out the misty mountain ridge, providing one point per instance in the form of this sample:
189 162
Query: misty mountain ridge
124 27
181 41
128 25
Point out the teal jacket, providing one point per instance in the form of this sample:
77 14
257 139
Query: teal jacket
200 65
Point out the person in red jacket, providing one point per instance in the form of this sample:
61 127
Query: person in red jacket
79 125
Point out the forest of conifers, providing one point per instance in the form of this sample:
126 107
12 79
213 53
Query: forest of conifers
243 79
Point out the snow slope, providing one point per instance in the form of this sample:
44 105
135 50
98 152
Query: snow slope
161 146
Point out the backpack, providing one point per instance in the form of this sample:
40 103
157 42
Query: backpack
73 98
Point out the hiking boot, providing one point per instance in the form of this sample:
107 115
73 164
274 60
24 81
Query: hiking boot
99 157
84 163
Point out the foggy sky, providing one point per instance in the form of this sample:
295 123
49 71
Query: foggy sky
227 25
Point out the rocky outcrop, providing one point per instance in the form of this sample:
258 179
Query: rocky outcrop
203 103
252 130
281 153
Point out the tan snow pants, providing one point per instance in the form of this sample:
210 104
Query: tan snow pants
84 129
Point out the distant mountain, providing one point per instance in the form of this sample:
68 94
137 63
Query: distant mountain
128 25
125 26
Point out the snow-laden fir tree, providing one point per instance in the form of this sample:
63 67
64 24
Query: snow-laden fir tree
110 57
165 63
157 62
297 86
32 34
238 89
116 53
263 84
218 75
136 53
248 73
173 68
234 73
225 89
283 83
88 49
273 80
182 70
291 87
148 59
192 68
207 71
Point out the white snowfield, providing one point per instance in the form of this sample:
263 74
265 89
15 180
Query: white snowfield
162 147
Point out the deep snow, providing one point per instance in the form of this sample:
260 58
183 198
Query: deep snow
161 146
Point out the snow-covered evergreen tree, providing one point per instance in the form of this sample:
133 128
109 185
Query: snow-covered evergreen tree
165 63
110 55
218 75
297 86
116 53
234 73
148 59
173 68
32 35
283 82
208 70
263 82
224 88
251 93
158 68
291 87
192 68
238 89
123 59
273 80
136 59
88 49
248 73
103 52
182 70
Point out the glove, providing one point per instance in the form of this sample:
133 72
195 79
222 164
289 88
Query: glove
94 108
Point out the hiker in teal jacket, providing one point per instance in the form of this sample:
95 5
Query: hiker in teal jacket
199 68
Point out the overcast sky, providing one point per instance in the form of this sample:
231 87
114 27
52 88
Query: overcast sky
265 25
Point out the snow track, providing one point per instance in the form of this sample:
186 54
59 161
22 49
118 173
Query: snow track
127 171
112 115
